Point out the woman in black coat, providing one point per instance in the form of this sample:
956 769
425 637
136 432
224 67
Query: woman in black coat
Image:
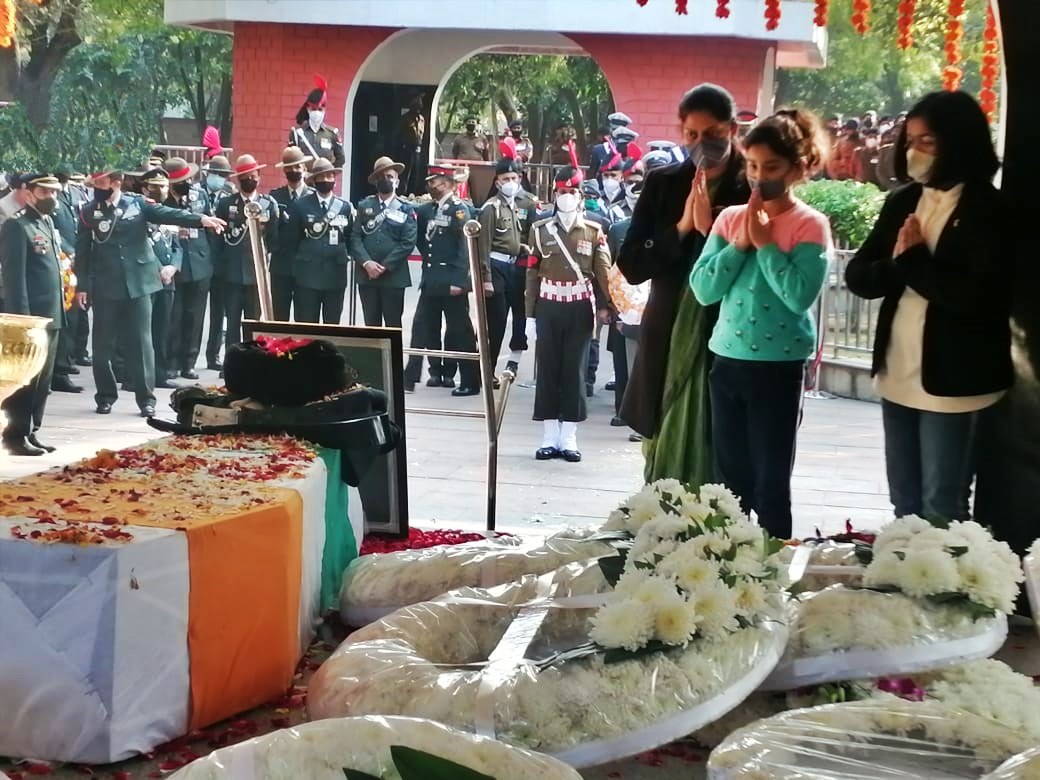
939 256
666 399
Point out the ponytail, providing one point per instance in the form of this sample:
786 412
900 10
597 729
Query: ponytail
794 134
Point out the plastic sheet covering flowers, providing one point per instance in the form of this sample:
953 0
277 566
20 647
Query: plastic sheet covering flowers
499 662
376 585
1024 766
1031 565
896 739
346 747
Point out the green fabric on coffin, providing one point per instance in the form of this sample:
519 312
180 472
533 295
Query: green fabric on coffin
340 544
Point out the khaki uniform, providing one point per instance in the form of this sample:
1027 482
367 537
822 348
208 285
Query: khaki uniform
470 147
565 308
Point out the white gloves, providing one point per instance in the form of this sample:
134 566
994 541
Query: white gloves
531 331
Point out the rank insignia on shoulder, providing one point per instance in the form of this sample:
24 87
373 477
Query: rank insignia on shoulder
460 214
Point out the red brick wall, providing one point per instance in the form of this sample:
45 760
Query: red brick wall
649 74
273 70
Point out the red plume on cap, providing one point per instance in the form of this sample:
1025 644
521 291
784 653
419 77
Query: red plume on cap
572 151
321 86
211 140
507 148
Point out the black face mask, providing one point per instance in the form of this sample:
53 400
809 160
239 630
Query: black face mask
471 128
102 195
248 185
324 187
181 187
46 205
517 133
293 177
385 186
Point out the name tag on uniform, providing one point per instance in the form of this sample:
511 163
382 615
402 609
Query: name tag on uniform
193 232
232 211
131 212
396 216
326 143
98 214
584 247
442 220
333 237
521 214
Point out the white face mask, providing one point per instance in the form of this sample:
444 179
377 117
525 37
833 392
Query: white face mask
919 165
316 117
611 187
567 203
509 188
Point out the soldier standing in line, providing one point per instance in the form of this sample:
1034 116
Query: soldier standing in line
235 263
283 286
76 195
411 132
524 149
156 185
66 220
31 268
217 187
311 133
118 272
381 242
196 272
631 178
319 232
505 222
471 146
444 287
566 288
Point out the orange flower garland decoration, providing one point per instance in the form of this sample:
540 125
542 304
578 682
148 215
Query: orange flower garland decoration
952 74
820 13
990 65
722 9
905 22
772 14
7 23
861 16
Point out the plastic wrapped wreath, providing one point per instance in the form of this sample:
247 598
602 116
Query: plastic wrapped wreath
373 749
563 664
897 739
1024 766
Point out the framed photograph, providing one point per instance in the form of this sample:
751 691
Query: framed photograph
375 354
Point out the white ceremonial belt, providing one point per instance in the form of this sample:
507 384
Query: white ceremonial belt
502 257
564 291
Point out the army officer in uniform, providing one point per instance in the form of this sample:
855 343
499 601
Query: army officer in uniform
381 242
283 286
235 253
319 231
30 246
311 134
566 287
118 272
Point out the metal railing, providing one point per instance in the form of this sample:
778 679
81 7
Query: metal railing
192 154
846 321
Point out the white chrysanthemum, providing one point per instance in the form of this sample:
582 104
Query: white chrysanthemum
691 572
716 605
934 538
746 563
675 621
642 508
746 533
928 571
693 509
971 532
985 584
751 597
665 526
717 545
884 569
648 544
627 624
723 499
630 581
1034 549
617 520
671 489
654 590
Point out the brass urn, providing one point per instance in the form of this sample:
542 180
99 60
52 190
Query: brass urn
23 352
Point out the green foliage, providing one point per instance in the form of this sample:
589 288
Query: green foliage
872 72
852 207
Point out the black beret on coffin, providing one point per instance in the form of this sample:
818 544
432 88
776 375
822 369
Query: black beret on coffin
300 375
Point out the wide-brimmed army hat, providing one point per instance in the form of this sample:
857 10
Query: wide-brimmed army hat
382 165
293 155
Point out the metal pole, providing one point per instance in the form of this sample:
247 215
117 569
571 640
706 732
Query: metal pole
352 291
471 230
253 213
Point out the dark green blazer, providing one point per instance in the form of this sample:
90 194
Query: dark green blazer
318 238
234 257
195 244
29 246
282 255
387 236
443 246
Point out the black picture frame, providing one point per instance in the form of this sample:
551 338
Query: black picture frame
376 354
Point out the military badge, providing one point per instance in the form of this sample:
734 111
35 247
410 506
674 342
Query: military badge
40 244
584 247
104 226
460 214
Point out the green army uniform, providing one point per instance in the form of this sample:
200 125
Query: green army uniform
283 286
564 300
29 246
235 260
471 147
323 143
168 252
384 232
66 220
318 238
215 335
117 266
504 227
442 244
193 282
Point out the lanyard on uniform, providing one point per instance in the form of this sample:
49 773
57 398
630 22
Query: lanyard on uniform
551 228
301 136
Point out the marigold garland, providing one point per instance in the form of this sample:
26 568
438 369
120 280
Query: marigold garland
952 74
7 23
905 22
861 15
722 9
772 14
990 65
820 13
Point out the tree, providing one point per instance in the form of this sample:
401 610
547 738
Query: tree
870 71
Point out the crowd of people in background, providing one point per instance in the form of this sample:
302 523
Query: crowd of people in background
693 258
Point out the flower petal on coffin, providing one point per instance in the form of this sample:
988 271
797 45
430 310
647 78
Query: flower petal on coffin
322 750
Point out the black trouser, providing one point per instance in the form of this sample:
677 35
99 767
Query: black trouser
26 405
82 338
283 286
64 359
241 301
189 311
592 361
382 305
755 411
616 345
131 318
508 298
319 305
216 320
162 319
458 337
564 331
